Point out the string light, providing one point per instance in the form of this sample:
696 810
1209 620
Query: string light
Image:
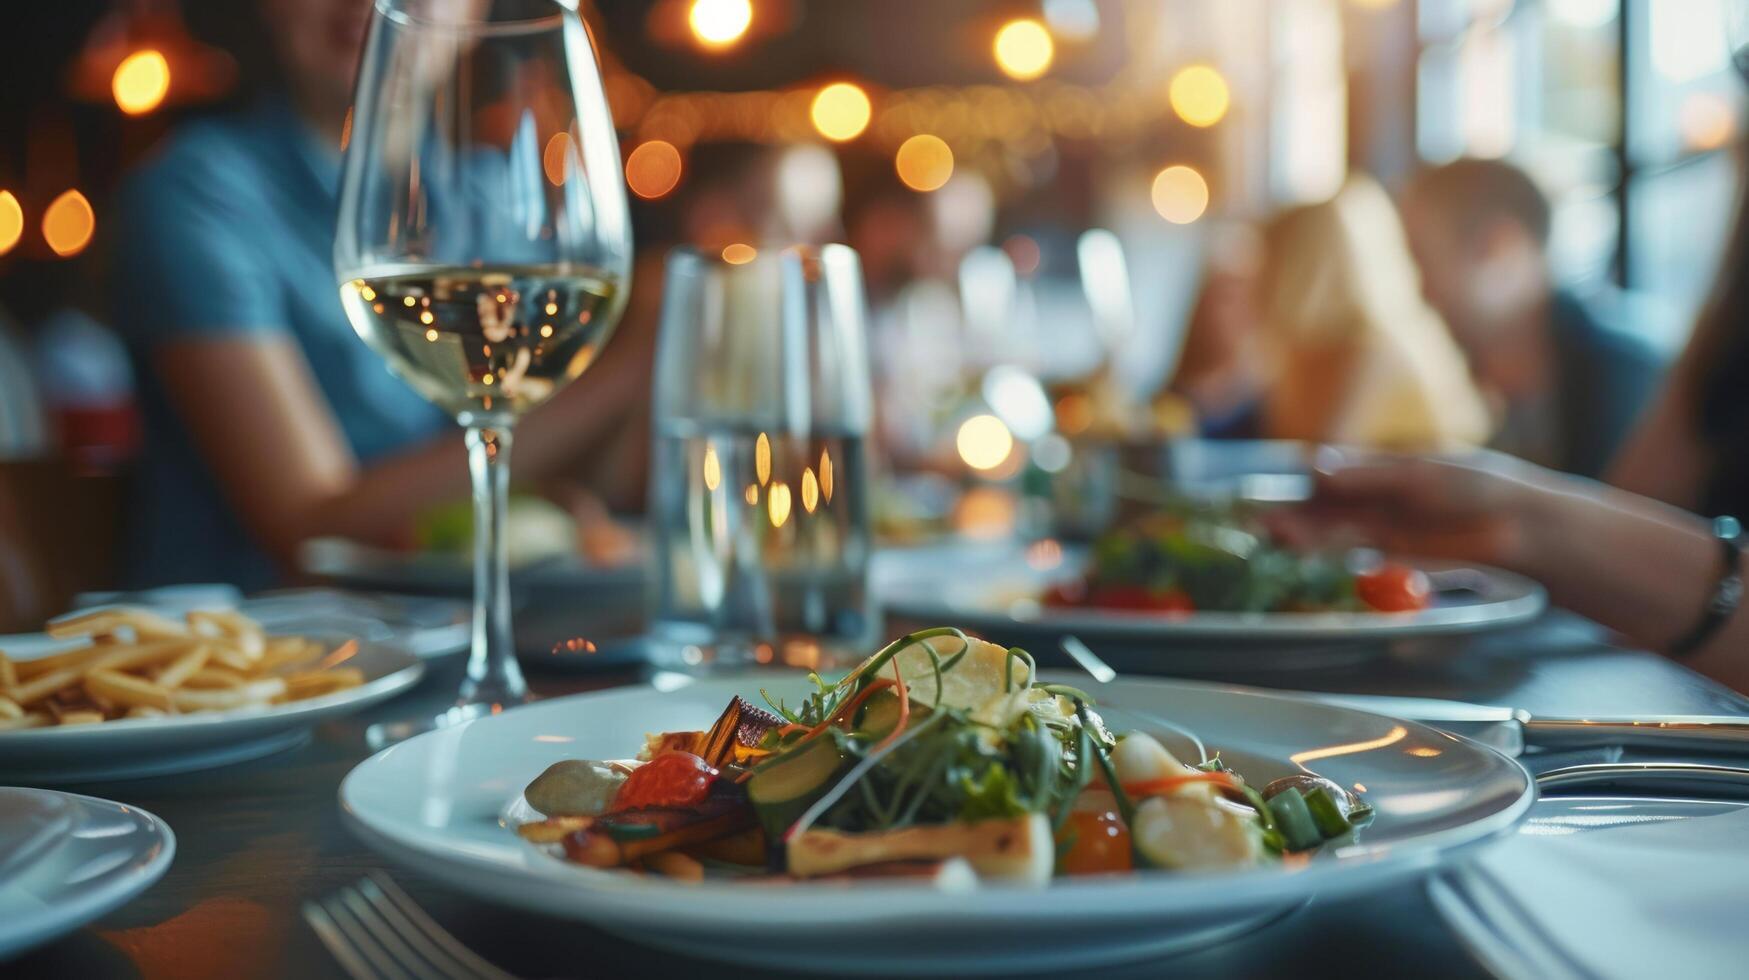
11 222
1180 194
1199 95
653 169
739 253
719 23
984 442
1024 49
841 111
924 162
556 158
68 224
140 82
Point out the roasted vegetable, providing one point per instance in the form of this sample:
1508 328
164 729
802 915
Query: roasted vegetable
741 724
672 779
1018 848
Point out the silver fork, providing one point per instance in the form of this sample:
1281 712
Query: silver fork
377 932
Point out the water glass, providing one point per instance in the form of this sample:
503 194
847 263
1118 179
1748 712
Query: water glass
759 507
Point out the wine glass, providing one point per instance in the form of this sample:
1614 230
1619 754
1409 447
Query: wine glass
484 246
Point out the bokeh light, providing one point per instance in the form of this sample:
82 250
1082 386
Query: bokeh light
841 111
11 222
1707 120
1024 49
1180 194
984 442
140 82
739 253
653 169
719 23
555 158
68 224
924 162
1199 95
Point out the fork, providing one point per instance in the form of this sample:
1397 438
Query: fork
377 932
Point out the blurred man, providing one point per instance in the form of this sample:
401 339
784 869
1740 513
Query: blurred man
1567 385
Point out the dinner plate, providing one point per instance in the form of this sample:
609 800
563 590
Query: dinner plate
66 860
996 589
137 747
443 803
352 565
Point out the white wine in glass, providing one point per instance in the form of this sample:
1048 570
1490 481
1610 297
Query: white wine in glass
484 245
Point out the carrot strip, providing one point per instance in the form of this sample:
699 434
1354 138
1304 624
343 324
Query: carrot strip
849 710
904 707
1163 786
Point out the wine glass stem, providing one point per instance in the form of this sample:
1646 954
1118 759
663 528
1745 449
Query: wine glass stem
493 674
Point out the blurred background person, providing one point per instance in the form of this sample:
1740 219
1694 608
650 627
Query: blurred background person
1224 364
268 422
1565 382
1360 358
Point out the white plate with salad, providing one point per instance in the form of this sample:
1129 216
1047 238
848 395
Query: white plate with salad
929 810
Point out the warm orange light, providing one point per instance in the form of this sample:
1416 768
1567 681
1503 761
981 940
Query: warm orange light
140 82
1024 49
1707 120
1199 95
68 224
751 494
719 23
924 162
555 160
984 442
777 504
739 253
826 475
713 469
841 111
653 169
1180 194
762 459
11 222
810 490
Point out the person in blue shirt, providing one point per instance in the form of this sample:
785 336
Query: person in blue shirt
268 421
1567 382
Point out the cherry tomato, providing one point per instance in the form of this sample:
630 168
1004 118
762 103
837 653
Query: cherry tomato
1066 594
1393 588
670 779
1101 842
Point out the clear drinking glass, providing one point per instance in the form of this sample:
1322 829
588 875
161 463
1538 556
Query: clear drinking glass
484 247
758 486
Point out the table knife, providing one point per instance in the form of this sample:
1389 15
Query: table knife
1513 729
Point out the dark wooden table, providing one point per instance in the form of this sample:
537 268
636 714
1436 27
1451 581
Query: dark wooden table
256 840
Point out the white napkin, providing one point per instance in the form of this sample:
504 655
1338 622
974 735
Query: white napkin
1659 899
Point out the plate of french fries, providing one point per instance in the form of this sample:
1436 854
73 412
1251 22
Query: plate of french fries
123 691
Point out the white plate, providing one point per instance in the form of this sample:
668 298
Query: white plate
135 747
435 804
85 857
997 589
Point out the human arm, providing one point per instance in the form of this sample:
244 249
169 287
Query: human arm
1639 566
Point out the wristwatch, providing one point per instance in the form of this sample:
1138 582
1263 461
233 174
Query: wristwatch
1727 592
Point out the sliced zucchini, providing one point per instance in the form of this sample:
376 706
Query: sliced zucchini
784 787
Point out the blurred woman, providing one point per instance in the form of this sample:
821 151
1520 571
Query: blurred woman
1636 557
1360 357
268 422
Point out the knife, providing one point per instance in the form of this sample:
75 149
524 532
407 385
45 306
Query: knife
1513 729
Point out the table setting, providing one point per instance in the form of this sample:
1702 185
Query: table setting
1105 709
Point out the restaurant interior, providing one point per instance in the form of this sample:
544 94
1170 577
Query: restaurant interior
1161 486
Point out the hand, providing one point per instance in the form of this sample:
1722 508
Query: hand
1477 506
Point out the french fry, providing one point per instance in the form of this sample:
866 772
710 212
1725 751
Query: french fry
86 717
144 625
213 679
125 689
553 829
33 719
251 693
42 687
138 664
182 668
